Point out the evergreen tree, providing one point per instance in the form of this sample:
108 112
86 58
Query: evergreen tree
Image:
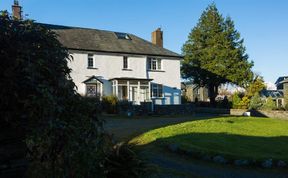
215 54
255 102
235 101
269 104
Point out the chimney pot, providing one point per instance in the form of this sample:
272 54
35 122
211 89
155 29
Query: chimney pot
157 37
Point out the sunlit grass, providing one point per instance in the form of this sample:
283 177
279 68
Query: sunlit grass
240 137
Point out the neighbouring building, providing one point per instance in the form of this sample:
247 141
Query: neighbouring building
278 94
121 64
194 92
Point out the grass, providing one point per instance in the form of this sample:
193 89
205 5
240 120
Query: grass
233 137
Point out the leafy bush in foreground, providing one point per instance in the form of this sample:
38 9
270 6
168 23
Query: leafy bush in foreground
63 134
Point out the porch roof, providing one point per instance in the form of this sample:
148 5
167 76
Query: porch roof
131 78
92 80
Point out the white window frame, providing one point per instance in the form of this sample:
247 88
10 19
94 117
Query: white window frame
156 90
89 57
154 63
125 66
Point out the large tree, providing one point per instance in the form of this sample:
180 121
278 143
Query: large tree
215 54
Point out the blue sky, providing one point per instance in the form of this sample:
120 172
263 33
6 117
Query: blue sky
262 23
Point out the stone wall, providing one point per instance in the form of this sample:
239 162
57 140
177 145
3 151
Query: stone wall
240 112
188 108
209 110
276 114
146 108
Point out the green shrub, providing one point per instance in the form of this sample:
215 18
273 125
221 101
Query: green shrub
269 104
244 103
236 101
255 102
109 104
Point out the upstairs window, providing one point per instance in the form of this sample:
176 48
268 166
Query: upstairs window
156 90
90 61
125 62
154 64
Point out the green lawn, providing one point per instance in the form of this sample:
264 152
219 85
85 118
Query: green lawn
233 137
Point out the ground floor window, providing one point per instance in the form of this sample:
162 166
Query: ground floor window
136 91
92 90
156 90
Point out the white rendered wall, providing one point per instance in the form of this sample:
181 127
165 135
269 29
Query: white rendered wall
108 66
169 77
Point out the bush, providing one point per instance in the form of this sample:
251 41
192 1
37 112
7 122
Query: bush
109 104
269 104
63 134
236 101
184 99
223 103
94 102
255 102
244 103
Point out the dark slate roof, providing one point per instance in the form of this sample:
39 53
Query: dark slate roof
273 93
92 79
77 38
281 80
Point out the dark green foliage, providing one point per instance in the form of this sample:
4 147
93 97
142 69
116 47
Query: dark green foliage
215 54
123 162
223 103
269 104
109 104
255 102
63 134
184 99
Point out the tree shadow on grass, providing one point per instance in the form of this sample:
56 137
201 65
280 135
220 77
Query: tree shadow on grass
126 129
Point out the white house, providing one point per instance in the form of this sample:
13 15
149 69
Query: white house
121 64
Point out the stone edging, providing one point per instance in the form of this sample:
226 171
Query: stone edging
267 163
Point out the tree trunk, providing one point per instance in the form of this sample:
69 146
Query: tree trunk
213 92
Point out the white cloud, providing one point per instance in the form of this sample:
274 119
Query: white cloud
270 86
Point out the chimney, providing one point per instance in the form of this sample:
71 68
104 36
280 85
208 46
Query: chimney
17 10
157 37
